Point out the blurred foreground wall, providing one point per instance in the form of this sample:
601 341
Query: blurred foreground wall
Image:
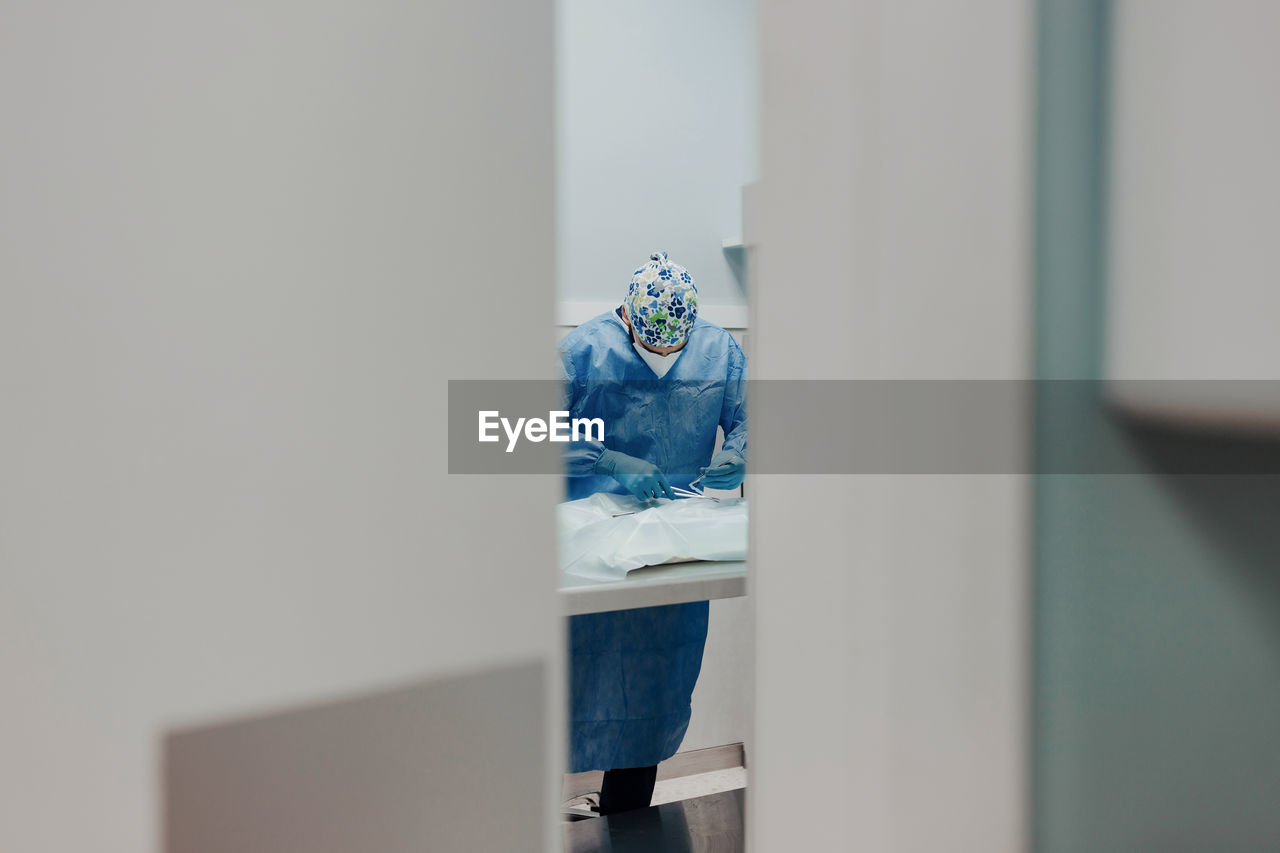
242 248
1157 617
894 204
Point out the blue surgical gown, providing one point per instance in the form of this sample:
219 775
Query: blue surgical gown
632 672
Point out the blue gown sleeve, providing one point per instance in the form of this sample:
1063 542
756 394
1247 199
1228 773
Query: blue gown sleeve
733 415
579 456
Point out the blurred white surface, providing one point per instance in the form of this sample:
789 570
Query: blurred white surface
242 248
1194 283
894 243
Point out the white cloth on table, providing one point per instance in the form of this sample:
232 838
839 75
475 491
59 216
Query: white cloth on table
606 535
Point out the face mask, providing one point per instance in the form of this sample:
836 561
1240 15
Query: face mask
657 362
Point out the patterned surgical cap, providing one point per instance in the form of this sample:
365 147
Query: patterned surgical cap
662 302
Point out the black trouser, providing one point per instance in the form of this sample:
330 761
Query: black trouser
627 788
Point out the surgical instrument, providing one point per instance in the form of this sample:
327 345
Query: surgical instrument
689 493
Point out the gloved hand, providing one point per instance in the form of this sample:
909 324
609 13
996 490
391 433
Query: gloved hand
640 478
725 471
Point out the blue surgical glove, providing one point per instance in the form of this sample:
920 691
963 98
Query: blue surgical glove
640 478
725 471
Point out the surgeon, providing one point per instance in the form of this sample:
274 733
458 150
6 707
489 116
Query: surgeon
662 379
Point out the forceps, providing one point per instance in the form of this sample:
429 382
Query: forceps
690 493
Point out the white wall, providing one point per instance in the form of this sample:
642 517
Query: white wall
891 634
656 136
242 248
1195 197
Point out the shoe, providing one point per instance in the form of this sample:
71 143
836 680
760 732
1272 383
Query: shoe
583 807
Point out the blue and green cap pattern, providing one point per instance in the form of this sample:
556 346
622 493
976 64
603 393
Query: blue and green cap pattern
662 302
